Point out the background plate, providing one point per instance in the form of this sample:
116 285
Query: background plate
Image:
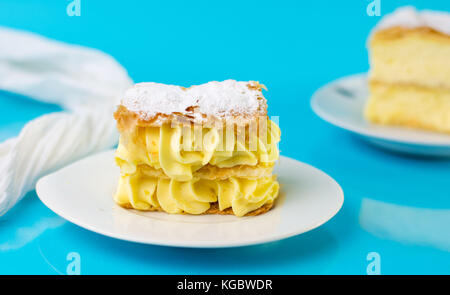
342 102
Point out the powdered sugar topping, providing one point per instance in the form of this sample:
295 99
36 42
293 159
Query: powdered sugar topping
219 99
409 17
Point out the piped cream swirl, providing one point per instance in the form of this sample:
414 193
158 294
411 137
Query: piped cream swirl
195 196
180 151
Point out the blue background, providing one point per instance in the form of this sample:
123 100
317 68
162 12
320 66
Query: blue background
395 205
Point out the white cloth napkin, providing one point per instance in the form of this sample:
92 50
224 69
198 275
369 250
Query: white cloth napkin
86 82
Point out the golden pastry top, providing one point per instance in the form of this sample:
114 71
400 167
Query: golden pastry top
154 104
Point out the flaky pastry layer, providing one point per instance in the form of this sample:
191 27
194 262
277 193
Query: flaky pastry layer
215 173
214 209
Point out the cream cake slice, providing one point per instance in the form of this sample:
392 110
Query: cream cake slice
409 79
206 149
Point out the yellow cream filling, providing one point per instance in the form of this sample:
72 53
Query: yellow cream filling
195 196
180 151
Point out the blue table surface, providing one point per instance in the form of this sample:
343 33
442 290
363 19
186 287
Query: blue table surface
395 205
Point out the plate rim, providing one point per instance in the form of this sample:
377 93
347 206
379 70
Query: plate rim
203 245
360 130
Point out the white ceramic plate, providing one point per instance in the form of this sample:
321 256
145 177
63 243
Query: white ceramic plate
341 103
82 193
